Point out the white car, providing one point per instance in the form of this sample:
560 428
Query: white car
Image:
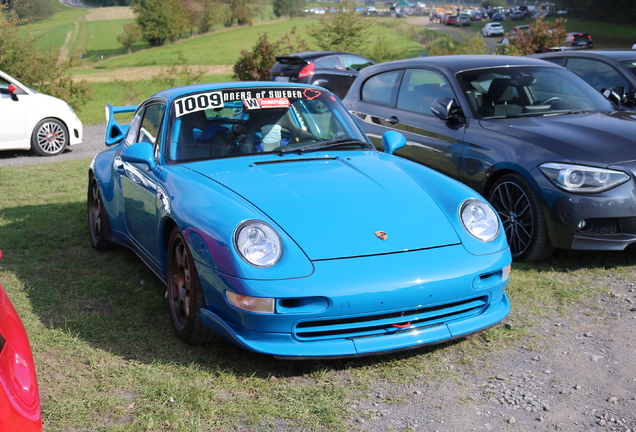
31 120
493 29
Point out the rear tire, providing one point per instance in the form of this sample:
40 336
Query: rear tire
98 222
185 294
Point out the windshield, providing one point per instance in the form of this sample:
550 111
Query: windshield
238 122
527 91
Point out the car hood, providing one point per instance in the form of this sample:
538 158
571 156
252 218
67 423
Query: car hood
332 206
597 139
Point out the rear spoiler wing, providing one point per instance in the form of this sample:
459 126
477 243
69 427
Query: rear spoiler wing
114 131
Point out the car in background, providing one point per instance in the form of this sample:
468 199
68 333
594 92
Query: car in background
463 21
19 397
282 229
517 15
552 155
580 40
450 20
497 16
35 121
332 70
493 29
606 70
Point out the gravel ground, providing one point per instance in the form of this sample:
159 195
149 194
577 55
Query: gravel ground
93 143
578 375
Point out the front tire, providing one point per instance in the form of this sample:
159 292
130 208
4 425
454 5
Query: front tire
184 293
519 208
98 223
49 138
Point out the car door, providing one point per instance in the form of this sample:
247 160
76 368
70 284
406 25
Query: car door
141 190
13 115
432 142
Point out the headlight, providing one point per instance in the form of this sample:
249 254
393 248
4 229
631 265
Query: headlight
479 219
257 243
578 178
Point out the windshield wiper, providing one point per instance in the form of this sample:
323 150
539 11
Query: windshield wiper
324 145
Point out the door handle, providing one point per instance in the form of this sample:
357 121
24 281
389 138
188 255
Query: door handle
392 120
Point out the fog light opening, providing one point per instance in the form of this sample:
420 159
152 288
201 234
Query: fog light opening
582 225
289 303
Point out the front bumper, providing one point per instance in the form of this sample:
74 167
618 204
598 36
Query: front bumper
367 305
601 221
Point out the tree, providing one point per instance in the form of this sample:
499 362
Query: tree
160 20
255 66
344 30
241 12
41 71
543 34
32 10
130 35
290 8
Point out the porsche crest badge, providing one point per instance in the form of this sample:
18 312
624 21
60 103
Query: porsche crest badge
381 235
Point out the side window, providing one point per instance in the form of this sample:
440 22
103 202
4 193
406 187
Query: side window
381 88
354 63
599 74
145 126
329 63
419 88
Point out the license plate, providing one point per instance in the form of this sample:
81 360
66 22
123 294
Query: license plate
281 78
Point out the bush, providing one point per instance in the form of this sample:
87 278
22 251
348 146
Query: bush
255 66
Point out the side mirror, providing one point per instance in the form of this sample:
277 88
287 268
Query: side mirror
14 92
616 94
446 109
393 141
141 152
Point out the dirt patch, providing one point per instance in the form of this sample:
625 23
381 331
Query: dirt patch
146 72
110 13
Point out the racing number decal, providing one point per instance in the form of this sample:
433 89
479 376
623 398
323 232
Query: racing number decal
199 102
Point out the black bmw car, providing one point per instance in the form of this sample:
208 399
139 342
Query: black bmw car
554 157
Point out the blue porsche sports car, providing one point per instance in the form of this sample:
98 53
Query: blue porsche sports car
277 225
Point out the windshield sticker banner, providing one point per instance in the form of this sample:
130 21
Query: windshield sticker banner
257 98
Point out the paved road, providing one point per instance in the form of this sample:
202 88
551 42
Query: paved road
93 143
455 32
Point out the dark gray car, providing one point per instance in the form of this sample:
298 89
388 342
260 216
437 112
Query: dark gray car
332 70
603 69
551 154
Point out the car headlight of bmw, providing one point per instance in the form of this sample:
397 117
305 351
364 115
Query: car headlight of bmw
479 219
579 178
258 243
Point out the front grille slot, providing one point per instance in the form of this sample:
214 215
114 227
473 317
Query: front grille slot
602 226
380 324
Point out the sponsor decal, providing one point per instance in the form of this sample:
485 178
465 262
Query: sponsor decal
266 103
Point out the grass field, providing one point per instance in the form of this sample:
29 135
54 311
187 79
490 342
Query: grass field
107 358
